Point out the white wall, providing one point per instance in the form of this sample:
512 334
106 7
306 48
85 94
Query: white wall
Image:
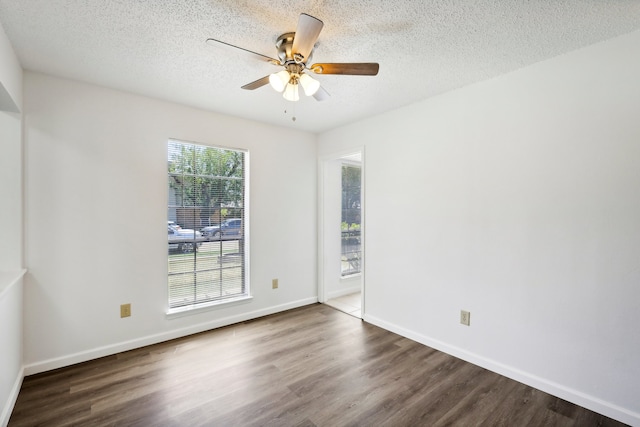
96 192
331 214
10 191
11 372
10 262
522 200
11 292
11 157
10 76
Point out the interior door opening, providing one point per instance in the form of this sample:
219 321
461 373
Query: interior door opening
342 233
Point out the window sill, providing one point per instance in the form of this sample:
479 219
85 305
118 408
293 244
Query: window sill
351 276
188 310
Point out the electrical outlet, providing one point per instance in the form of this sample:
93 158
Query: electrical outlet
125 310
274 283
465 317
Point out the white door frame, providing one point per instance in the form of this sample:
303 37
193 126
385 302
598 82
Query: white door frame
322 193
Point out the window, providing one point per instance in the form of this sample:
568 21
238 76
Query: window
206 225
351 220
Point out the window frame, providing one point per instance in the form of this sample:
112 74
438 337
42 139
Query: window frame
197 307
344 275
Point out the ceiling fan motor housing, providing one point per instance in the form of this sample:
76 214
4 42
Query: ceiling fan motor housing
284 44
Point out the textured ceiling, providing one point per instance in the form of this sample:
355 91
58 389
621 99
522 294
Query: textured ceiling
157 47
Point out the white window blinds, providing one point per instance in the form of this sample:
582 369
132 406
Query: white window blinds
206 224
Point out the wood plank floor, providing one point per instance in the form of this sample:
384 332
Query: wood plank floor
312 366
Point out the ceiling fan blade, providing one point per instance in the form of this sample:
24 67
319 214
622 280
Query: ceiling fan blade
259 56
350 68
258 83
307 33
321 94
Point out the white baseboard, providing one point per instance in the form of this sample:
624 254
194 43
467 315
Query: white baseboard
574 396
71 359
11 401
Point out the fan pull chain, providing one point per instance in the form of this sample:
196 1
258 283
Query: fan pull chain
293 117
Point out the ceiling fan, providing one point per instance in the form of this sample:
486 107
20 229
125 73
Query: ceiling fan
294 54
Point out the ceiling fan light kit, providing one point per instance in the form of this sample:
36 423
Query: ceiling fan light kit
309 84
279 80
291 92
294 52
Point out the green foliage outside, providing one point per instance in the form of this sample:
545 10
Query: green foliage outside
351 213
353 227
207 178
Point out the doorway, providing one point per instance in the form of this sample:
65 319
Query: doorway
341 232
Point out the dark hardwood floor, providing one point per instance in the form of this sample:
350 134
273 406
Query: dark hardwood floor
313 366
